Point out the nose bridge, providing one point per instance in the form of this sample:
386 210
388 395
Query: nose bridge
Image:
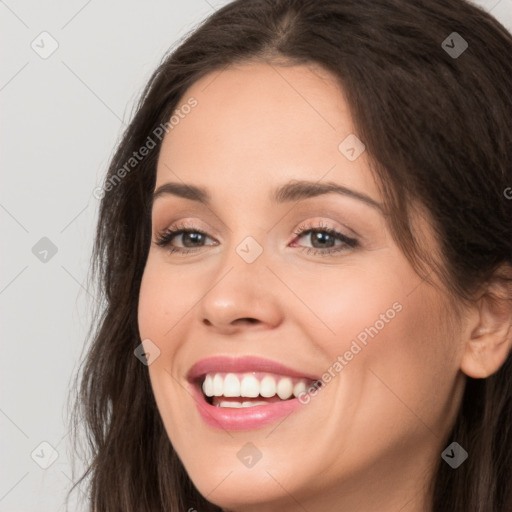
248 256
248 246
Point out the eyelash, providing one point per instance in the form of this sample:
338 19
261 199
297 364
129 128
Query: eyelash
164 238
348 243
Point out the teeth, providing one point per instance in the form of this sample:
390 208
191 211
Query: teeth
299 388
234 405
208 386
218 385
238 405
231 385
252 404
268 387
252 385
285 388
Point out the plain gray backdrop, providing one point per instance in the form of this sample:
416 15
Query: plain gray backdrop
71 72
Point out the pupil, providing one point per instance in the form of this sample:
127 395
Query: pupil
195 238
321 238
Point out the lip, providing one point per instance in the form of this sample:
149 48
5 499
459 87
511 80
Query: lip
247 418
223 364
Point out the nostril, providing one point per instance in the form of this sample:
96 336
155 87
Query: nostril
248 320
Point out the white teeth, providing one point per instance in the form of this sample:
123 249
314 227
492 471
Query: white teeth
268 386
231 385
218 385
234 405
238 405
208 386
252 404
285 388
250 386
299 388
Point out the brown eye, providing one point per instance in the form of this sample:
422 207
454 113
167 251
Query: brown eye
323 240
189 239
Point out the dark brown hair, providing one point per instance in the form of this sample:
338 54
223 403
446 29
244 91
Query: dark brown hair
437 130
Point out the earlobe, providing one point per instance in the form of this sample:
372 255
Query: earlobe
490 341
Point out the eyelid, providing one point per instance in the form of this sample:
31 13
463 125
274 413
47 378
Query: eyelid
185 225
319 225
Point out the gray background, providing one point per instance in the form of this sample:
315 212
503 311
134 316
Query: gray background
61 118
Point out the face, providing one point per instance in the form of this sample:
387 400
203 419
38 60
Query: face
331 367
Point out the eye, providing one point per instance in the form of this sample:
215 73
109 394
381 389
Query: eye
324 239
191 238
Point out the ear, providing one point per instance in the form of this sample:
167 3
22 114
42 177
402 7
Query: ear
490 339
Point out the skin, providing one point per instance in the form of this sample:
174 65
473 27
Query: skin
372 437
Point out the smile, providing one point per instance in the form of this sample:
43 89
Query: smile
245 393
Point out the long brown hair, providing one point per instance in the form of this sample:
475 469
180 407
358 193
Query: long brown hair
437 128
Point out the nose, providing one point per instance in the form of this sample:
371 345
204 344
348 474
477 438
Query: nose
241 296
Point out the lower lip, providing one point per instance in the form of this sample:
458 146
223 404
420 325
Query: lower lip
243 418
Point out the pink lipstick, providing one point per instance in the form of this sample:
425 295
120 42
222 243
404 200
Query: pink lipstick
245 393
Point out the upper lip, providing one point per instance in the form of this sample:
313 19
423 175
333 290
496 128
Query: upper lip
226 364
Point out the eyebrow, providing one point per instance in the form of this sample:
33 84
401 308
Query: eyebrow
292 191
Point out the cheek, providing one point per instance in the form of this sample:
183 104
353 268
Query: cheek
350 302
164 298
384 332
150 311
406 370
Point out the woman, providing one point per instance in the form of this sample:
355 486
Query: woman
305 248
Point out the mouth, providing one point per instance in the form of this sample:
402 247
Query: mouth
246 393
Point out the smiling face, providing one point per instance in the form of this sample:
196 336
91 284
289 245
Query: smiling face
280 284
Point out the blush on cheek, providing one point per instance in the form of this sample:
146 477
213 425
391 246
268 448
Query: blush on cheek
362 323
158 305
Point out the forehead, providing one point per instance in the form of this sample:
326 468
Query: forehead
256 125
